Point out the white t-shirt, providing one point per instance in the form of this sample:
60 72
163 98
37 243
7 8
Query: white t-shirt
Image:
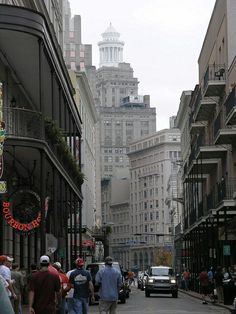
70 293
5 272
5 283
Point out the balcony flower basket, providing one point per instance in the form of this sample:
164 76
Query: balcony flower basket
55 135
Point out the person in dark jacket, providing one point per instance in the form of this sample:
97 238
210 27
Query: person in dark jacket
81 281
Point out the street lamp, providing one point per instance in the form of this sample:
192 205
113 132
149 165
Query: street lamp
212 249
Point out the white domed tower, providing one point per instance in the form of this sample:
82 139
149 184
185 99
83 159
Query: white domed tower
110 48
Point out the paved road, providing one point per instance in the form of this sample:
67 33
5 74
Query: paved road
156 304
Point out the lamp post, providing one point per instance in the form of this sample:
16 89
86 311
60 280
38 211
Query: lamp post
212 249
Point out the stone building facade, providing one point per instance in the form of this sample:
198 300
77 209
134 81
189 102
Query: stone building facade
209 172
152 162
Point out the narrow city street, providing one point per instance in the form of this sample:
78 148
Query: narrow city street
163 304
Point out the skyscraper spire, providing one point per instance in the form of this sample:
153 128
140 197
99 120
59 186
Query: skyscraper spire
110 48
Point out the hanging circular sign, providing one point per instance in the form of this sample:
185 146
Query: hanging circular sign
22 212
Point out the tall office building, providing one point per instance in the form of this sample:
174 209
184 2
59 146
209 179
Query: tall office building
78 59
153 162
77 55
125 116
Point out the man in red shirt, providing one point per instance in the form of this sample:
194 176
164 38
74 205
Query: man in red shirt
204 284
186 279
44 288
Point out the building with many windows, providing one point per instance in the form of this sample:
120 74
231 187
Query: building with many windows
78 59
124 115
209 172
152 162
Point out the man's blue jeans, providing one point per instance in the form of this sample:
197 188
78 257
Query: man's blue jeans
80 306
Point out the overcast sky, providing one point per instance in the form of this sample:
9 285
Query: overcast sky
163 39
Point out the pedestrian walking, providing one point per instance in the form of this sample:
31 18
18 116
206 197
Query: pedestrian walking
204 284
81 281
218 278
65 287
130 278
186 279
210 275
18 286
70 295
109 281
5 304
44 290
5 272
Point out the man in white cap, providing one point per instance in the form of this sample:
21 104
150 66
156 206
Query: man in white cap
44 289
109 281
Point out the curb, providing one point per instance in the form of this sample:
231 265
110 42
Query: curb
197 296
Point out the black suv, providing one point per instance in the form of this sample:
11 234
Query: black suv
161 279
93 268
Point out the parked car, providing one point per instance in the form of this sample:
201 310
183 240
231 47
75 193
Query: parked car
93 268
161 279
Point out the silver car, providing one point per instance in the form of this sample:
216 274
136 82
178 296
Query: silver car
161 279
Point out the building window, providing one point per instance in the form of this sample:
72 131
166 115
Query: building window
72 66
72 53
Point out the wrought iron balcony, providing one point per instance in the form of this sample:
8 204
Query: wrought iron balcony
230 106
22 122
214 80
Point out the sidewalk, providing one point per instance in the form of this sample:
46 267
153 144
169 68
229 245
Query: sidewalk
198 296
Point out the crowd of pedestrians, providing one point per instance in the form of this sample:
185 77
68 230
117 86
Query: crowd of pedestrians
52 291
211 283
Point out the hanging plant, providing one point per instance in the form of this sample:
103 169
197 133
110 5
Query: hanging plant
55 134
